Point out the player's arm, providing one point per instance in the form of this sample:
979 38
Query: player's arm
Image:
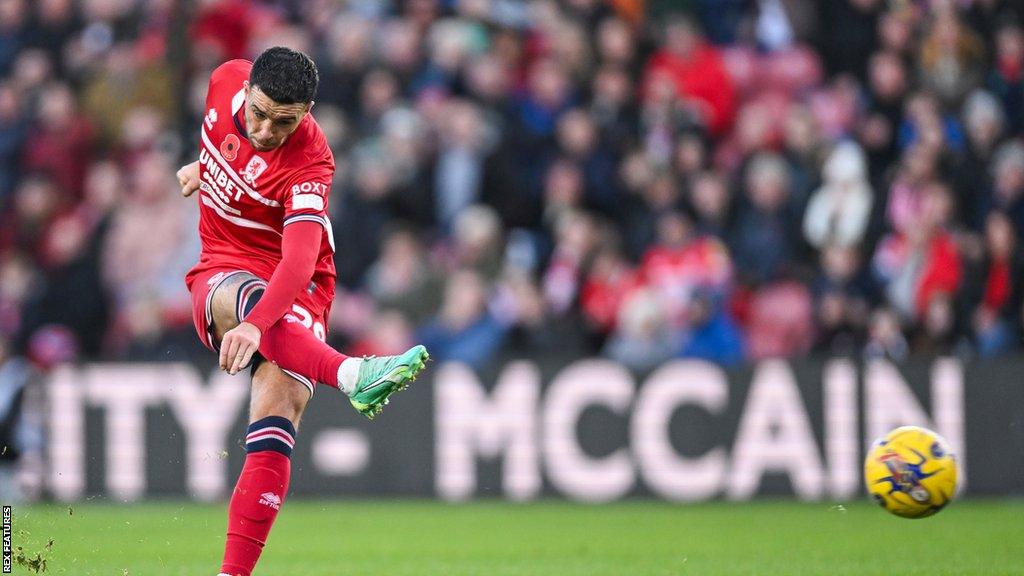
188 177
300 248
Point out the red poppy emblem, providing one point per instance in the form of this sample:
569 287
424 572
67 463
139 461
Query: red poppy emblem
229 147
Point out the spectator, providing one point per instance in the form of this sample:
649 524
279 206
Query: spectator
402 278
460 162
62 142
616 42
923 262
54 26
936 336
32 70
463 331
711 200
18 281
533 329
659 194
839 211
1006 79
575 240
984 121
643 337
888 84
763 236
129 79
925 124
1007 194
885 338
992 296
691 154
610 281
896 31
391 333
914 175
711 333
222 28
802 149
563 189
951 58
73 303
36 200
548 96
140 251
578 141
692 72
12 132
361 216
683 262
613 109
477 242
842 295
12 39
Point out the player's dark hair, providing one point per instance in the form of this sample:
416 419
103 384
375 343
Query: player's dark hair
286 76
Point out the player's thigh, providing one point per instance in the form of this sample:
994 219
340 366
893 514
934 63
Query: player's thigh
275 393
227 299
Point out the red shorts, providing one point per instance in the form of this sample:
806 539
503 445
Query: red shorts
206 283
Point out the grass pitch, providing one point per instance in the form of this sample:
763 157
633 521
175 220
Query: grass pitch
412 538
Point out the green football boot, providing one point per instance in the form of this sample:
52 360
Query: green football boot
381 377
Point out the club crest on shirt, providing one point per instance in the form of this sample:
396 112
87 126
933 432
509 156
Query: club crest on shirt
253 170
229 147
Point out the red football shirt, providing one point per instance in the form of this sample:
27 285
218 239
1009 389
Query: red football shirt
246 198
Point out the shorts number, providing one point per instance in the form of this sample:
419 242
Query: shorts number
302 316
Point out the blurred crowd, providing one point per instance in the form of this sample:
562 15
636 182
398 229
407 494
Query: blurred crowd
639 179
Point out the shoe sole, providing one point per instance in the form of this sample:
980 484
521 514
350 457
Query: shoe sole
407 375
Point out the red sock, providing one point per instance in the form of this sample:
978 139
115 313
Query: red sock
294 348
259 493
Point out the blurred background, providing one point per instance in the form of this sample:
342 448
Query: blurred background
635 180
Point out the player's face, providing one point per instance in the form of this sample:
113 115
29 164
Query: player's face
270 123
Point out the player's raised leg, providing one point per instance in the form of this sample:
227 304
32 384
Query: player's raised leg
368 382
278 401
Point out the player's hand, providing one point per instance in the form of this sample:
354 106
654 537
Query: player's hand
238 346
188 177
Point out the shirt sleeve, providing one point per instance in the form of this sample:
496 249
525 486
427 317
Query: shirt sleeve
305 214
300 248
306 196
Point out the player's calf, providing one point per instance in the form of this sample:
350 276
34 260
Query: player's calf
275 393
263 484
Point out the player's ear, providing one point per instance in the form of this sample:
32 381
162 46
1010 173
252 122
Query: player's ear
310 106
245 86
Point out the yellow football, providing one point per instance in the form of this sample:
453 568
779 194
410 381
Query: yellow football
911 472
